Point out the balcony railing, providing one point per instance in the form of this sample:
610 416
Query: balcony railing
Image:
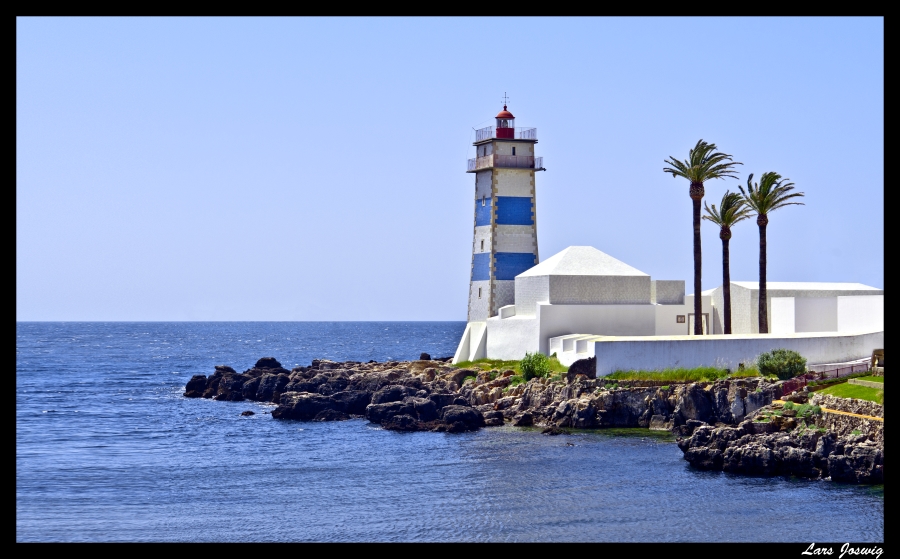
489 133
505 161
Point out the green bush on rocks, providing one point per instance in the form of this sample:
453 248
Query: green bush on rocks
534 365
783 363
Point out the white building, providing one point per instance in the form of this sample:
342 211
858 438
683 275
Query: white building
582 302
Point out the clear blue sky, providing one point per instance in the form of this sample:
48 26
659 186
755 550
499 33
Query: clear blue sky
314 169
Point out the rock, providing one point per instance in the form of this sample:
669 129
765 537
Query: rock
523 419
553 431
267 363
303 406
248 391
458 375
586 367
393 393
492 418
331 415
379 413
195 387
442 400
424 357
248 412
402 422
659 423
225 369
271 387
425 409
469 417
797 397
352 402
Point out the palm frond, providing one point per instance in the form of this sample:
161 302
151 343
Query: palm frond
770 193
733 209
703 163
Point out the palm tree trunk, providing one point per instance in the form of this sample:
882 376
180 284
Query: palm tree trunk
726 285
698 306
762 221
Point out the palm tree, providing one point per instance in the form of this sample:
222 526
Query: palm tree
772 192
703 163
732 210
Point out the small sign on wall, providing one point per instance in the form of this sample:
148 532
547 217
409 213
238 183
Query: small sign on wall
679 319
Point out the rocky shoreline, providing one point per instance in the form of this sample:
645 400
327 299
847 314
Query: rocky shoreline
717 424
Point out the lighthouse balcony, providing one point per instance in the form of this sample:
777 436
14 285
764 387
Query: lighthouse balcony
496 161
490 133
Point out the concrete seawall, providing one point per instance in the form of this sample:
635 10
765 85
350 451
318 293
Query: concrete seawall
727 351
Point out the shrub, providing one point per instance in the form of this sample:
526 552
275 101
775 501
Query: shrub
783 363
534 365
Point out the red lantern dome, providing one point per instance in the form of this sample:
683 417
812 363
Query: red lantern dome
506 127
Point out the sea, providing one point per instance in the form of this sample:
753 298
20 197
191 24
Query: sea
108 450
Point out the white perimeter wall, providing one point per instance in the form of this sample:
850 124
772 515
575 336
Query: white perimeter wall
655 353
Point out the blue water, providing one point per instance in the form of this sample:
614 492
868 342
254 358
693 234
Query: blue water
107 449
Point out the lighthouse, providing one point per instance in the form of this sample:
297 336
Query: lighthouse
505 225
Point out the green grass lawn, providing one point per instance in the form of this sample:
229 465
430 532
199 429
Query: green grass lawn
698 374
872 379
500 365
847 390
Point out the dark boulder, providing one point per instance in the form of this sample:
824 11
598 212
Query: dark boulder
424 357
553 430
859 464
392 393
442 400
331 415
586 367
248 391
378 413
230 387
333 385
402 422
267 363
301 385
353 402
425 408
271 387
248 412
224 369
303 406
195 387
523 419
492 418
469 417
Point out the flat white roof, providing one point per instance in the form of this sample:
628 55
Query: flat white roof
806 286
582 261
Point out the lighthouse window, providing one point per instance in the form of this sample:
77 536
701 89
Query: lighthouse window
514 150
479 293
482 201
482 245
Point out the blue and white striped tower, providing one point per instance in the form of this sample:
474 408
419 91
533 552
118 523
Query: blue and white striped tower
505 238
